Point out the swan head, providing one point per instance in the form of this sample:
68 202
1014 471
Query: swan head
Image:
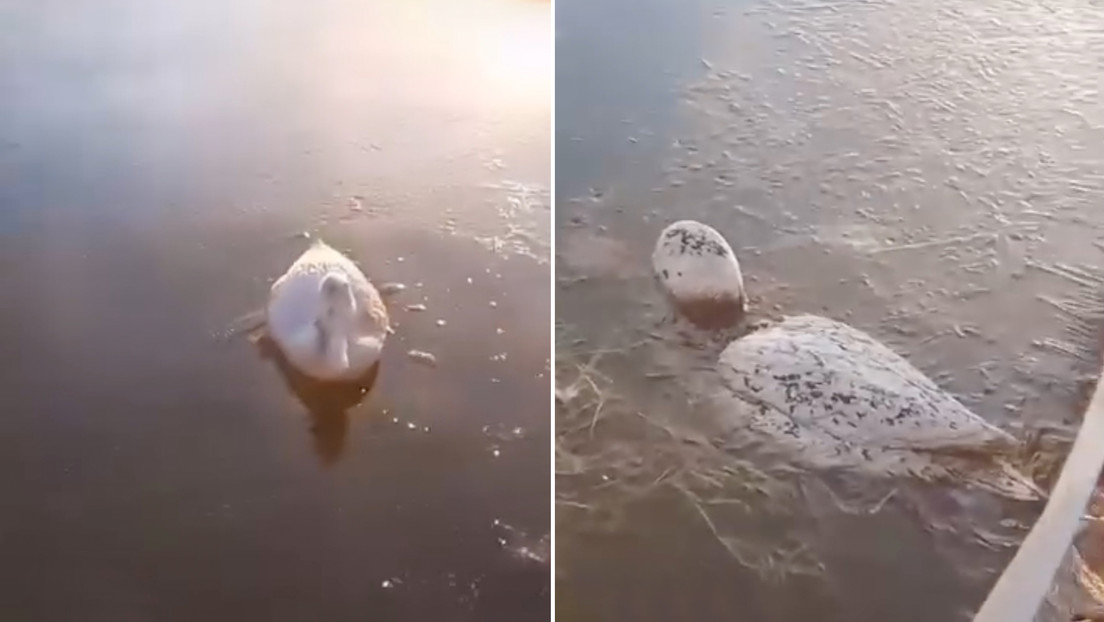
337 296
698 270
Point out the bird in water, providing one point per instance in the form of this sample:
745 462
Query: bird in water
326 317
829 395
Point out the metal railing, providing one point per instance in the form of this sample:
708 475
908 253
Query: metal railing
1025 582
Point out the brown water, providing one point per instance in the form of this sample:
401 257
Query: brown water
157 163
928 172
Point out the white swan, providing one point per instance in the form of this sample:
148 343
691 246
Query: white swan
830 395
326 317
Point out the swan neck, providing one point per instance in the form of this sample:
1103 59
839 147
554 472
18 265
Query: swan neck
337 351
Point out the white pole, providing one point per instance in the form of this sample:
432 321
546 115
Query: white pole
1020 590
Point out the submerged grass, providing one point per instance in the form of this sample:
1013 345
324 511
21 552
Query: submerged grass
612 458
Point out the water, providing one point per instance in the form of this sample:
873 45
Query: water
158 162
927 172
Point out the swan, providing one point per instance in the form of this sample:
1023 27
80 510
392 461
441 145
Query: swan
326 317
829 395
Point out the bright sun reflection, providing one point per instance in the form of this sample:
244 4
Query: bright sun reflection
489 55
518 59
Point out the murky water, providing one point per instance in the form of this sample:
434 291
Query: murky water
927 172
158 162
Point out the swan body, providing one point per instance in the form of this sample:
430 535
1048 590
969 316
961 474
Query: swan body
831 395
838 398
326 317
